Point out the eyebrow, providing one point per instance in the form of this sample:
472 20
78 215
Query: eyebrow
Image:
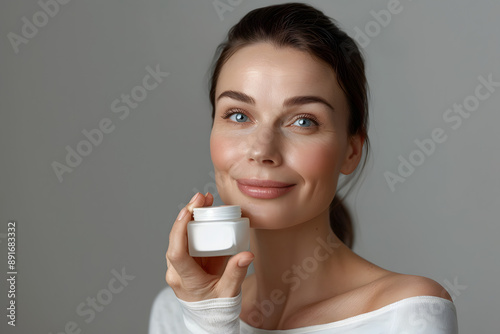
292 101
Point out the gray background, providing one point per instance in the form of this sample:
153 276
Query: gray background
116 208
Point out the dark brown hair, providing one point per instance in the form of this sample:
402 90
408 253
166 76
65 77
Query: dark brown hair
306 28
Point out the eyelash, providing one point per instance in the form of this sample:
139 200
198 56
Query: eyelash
230 112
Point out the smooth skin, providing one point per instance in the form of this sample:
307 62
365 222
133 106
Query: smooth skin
257 134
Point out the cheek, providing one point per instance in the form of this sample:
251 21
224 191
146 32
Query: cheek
218 150
318 162
319 167
224 149
224 152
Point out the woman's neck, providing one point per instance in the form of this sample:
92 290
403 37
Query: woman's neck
293 265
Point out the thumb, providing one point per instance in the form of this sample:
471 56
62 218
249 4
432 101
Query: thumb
235 273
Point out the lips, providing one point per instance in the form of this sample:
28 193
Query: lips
263 183
264 189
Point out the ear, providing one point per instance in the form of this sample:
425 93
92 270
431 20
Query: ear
353 154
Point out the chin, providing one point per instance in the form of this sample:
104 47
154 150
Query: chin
263 213
263 220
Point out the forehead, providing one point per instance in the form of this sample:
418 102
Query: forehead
265 68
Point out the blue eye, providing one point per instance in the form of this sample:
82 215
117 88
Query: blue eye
304 121
239 117
301 121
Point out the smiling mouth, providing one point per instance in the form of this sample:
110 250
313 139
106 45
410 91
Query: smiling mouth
264 189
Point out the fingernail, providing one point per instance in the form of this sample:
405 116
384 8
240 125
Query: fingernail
194 198
182 213
244 262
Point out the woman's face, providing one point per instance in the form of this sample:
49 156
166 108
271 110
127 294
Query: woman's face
270 124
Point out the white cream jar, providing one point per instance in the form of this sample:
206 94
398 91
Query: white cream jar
217 231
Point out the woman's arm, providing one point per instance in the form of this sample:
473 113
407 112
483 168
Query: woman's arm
170 315
212 316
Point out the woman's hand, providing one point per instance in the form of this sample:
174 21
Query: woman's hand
200 278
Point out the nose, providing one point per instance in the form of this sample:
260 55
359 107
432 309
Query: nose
264 147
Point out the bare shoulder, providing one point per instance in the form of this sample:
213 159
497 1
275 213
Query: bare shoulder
389 287
398 286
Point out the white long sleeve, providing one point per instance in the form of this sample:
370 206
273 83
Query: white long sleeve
212 316
171 315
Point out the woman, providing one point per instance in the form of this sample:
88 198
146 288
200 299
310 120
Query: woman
290 115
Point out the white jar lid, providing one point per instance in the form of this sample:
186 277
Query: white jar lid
217 212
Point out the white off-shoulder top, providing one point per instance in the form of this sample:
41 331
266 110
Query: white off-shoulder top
421 314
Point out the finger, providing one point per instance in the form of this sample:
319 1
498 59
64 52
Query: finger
178 253
177 238
234 274
200 200
209 199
